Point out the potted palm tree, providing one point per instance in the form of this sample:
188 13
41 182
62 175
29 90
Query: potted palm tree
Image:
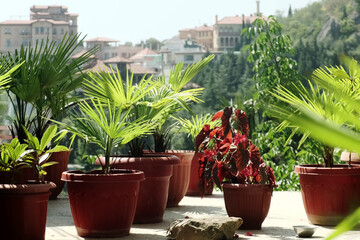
178 95
105 125
193 127
136 98
24 216
330 191
234 164
44 88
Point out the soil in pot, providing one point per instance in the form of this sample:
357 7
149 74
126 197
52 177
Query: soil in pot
329 194
103 205
251 202
23 215
154 189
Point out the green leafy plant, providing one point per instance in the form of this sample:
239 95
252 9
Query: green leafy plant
177 97
14 158
321 103
42 151
41 87
110 88
152 100
345 87
270 51
32 154
193 126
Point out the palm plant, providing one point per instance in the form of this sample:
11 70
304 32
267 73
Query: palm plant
344 86
109 87
41 88
314 100
177 97
106 125
333 111
194 125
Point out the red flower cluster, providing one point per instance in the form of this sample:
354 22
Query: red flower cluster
228 153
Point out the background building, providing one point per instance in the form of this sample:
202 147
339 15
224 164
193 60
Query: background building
45 21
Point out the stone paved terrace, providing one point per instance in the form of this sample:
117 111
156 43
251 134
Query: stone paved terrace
286 211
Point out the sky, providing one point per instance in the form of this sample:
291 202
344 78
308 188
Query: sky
138 20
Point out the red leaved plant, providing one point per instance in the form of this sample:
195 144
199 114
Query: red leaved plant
229 156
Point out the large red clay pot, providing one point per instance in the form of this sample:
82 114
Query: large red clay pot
103 205
194 184
179 181
54 171
23 211
251 202
154 189
329 194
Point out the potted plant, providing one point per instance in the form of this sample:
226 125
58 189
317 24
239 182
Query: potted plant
330 191
178 97
234 164
105 125
24 216
193 127
136 98
43 88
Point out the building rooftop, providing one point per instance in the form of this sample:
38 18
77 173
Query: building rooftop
77 55
286 211
117 59
143 53
140 70
237 19
101 39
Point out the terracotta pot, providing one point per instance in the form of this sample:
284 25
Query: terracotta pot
154 189
24 209
194 184
329 194
179 181
251 202
54 171
103 205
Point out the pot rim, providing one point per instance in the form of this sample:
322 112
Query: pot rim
28 188
241 185
146 160
338 169
121 175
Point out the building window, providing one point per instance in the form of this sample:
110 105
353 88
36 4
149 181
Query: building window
42 30
37 30
62 31
106 56
8 43
54 31
7 30
226 42
113 54
221 41
25 43
124 55
188 58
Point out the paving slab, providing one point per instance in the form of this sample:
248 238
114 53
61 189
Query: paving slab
286 211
